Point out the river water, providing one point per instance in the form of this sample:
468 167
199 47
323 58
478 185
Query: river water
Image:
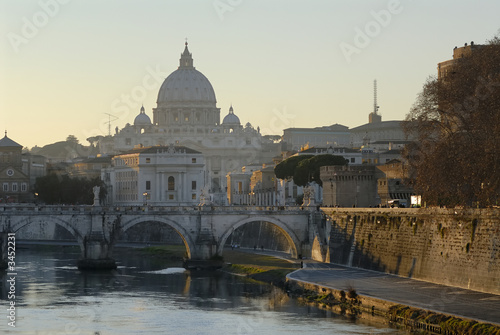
147 296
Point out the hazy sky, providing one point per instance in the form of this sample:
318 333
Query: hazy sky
66 64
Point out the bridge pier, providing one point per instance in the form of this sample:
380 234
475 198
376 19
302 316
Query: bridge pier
205 256
96 252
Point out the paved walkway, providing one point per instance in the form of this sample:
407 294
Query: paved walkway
439 298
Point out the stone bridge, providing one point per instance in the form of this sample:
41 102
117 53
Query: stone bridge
204 229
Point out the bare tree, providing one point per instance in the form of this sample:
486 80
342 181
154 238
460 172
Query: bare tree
456 123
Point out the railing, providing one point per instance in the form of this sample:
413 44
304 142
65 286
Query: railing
418 326
150 209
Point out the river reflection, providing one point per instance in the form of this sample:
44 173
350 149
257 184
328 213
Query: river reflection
145 296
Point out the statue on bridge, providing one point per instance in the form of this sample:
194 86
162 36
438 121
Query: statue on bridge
96 190
309 196
204 200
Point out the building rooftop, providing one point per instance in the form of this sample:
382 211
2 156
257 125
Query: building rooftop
7 142
333 127
178 149
378 125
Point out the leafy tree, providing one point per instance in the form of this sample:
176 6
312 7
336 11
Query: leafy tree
48 189
305 169
72 139
456 123
286 168
53 189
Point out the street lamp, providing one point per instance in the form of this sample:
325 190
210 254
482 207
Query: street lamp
145 195
331 191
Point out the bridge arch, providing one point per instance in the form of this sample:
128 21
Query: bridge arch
186 238
29 220
289 234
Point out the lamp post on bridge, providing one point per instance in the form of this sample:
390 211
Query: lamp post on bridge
331 191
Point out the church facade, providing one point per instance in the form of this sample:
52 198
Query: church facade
187 115
158 175
14 181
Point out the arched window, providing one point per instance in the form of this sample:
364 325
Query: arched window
171 183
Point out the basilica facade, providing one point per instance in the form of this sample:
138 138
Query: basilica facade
187 115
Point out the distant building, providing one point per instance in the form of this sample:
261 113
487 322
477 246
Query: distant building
187 115
377 134
335 135
34 166
14 181
391 182
349 186
389 131
158 175
353 156
445 68
365 185
238 185
90 168
263 187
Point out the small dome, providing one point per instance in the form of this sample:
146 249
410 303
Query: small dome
231 118
142 119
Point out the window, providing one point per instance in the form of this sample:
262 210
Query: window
353 160
148 185
5 187
193 196
148 160
170 197
193 185
14 187
171 183
24 187
193 160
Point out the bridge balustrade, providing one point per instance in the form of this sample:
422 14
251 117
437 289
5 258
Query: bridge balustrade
61 209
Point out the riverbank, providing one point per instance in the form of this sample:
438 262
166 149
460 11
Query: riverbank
260 267
415 320
413 305
273 270
348 302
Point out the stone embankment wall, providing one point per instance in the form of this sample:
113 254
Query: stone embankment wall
456 247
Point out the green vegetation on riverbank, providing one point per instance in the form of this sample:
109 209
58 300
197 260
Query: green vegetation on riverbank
449 324
264 268
176 252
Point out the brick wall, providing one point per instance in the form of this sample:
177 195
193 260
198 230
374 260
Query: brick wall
446 246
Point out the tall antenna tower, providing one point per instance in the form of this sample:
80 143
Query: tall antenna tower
375 106
109 122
